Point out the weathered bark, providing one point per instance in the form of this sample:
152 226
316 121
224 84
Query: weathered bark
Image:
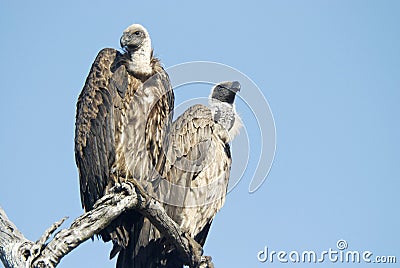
17 251
12 243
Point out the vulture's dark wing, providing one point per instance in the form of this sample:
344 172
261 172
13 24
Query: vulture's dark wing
159 119
95 125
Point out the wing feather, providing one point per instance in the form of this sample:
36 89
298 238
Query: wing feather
199 162
148 118
95 128
194 181
159 118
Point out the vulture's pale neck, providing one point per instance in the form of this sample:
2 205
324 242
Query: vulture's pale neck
225 114
140 60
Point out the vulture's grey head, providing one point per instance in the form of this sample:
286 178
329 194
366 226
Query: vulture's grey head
135 38
223 108
225 91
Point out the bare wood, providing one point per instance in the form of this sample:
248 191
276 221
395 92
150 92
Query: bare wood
17 251
12 243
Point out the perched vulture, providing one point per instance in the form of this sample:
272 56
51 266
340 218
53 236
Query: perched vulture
123 115
195 178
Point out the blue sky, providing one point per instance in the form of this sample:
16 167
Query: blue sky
330 71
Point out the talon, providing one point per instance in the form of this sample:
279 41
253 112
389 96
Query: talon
126 187
117 187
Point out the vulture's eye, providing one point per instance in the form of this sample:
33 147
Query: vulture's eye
137 33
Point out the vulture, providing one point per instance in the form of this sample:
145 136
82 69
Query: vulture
194 179
124 113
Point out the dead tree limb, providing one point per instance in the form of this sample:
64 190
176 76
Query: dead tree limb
17 251
12 243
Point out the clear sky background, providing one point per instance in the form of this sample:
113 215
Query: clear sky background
330 71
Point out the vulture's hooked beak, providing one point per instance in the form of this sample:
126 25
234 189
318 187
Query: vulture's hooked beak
235 86
124 40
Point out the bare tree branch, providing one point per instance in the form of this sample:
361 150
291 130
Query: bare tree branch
17 251
12 243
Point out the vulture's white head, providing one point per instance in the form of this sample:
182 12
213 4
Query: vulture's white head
136 41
